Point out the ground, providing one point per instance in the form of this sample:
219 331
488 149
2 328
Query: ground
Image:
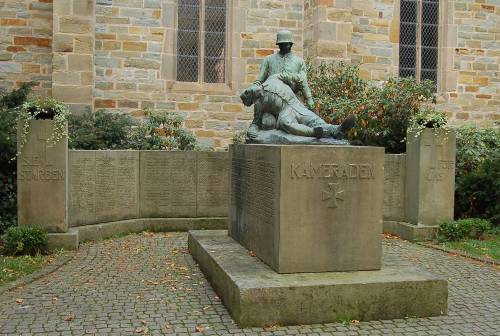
148 284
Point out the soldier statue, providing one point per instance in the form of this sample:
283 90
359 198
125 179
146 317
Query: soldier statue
281 76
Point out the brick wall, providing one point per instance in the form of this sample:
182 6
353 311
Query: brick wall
25 43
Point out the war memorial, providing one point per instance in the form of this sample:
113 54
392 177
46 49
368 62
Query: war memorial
287 228
305 221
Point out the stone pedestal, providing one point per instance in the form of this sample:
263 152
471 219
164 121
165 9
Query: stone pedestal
430 177
42 179
257 296
308 208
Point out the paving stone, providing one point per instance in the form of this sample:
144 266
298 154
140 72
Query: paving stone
149 281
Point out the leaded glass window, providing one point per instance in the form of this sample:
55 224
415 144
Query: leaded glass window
418 39
201 41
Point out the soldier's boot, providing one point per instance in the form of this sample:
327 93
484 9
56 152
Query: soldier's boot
341 131
318 132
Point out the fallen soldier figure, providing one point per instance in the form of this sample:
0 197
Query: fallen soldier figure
277 107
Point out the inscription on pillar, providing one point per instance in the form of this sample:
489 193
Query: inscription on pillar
255 188
309 170
39 164
394 186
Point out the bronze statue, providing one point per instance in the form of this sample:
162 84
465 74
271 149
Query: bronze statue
287 65
279 115
276 106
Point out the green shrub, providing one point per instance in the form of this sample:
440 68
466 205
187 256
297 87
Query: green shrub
9 101
383 112
103 130
162 130
25 240
99 130
477 182
239 137
464 228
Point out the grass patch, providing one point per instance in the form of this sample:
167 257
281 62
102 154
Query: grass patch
12 268
489 248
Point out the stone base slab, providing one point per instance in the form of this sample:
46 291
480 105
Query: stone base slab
67 240
75 235
409 231
106 230
257 296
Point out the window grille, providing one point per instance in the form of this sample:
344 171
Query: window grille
418 39
201 41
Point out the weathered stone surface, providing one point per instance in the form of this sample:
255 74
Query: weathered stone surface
256 296
67 240
430 177
212 185
76 94
104 186
168 184
411 232
42 179
394 187
308 208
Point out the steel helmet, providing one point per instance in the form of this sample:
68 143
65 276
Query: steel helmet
284 36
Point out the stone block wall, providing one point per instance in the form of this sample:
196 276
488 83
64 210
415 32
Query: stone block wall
470 79
26 44
135 62
73 53
364 32
119 55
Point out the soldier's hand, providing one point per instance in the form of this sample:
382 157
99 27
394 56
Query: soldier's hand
310 103
252 131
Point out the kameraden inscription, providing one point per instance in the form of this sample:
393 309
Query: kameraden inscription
309 170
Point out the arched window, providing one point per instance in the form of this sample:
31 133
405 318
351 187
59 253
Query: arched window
418 39
201 41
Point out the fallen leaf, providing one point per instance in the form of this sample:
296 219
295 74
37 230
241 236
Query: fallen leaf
271 328
139 330
69 318
252 254
354 322
199 329
19 301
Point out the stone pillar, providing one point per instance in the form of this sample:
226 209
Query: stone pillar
327 30
73 53
430 177
308 208
42 179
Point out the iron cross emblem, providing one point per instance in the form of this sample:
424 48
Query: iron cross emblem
332 194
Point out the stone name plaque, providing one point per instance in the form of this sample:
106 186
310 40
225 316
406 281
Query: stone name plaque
104 186
168 184
308 208
255 199
212 185
394 187
42 179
